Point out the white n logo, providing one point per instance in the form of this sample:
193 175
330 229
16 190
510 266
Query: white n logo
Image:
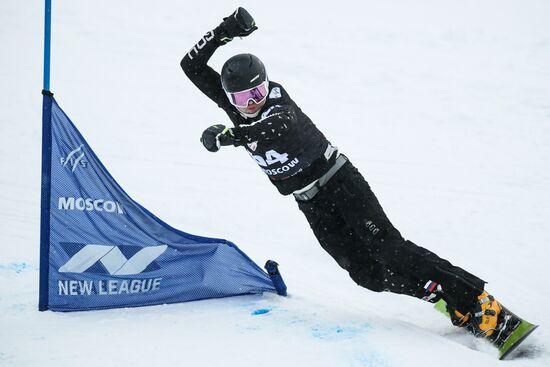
112 259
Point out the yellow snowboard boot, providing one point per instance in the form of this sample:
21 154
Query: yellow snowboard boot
487 311
483 317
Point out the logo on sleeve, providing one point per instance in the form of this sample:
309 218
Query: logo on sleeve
275 93
207 37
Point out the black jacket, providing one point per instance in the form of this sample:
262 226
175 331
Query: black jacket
284 142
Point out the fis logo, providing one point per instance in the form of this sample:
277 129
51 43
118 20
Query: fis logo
111 260
74 159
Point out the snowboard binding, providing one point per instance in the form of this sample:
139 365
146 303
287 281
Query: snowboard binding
491 321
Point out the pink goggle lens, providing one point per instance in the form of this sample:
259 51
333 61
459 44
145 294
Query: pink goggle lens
257 94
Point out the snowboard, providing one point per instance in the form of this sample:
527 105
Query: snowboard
513 330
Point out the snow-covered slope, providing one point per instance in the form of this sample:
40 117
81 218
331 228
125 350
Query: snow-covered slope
443 105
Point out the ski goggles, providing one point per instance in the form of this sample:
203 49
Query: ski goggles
256 94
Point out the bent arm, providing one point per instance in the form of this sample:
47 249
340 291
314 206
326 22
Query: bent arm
277 123
195 65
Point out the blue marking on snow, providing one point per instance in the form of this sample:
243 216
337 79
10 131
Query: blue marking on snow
260 311
373 359
17 267
328 332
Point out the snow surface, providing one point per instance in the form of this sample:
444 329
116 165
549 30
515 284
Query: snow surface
443 105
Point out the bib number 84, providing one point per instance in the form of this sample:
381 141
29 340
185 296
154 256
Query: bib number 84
271 157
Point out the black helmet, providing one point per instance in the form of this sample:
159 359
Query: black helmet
242 72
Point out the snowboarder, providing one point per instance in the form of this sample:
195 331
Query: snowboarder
338 203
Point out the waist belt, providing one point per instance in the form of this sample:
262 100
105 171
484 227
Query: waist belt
309 192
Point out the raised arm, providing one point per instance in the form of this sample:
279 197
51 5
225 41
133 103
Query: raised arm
195 62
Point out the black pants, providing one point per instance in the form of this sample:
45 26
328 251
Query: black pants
352 227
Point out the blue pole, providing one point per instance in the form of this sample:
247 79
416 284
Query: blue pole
45 208
47 102
47 43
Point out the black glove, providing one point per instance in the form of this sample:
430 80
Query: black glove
216 136
238 24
